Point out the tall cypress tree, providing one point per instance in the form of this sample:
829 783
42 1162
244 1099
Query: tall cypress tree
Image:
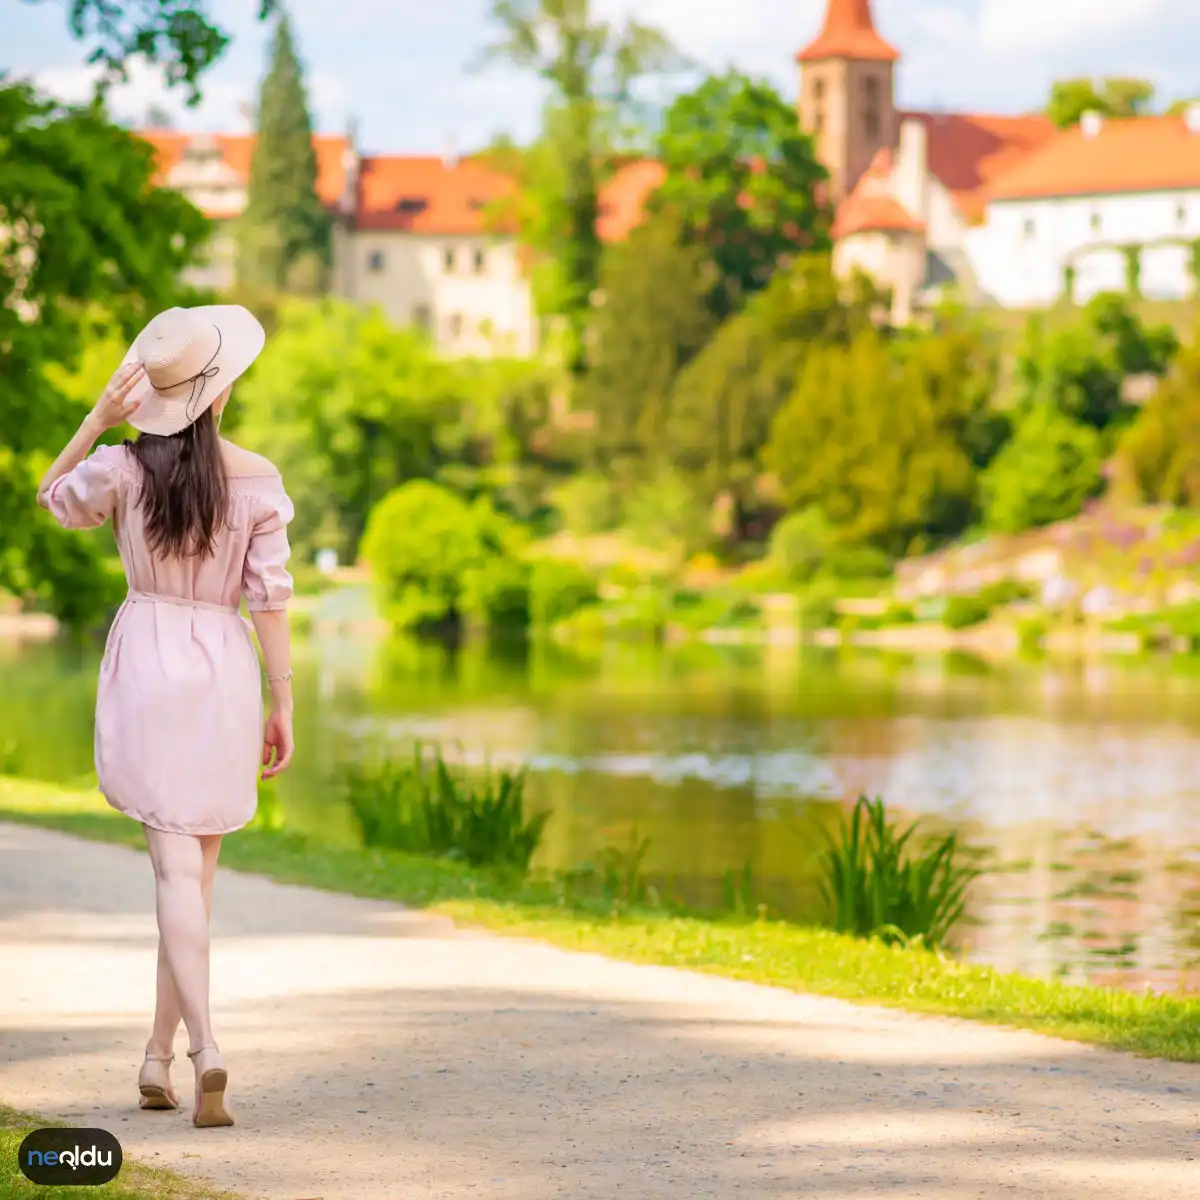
285 241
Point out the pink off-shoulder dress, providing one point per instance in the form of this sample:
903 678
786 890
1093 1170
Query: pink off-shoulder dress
179 703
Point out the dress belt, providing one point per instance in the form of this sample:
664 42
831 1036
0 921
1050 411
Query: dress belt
136 597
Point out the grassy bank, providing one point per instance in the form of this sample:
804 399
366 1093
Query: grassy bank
771 952
135 1182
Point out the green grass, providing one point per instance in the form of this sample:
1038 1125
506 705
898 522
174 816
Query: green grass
762 951
135 1181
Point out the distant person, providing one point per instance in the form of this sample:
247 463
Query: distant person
199 523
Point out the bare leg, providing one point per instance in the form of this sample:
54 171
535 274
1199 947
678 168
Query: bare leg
183 926
167 1014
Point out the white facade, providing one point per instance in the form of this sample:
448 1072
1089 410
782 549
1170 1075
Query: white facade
468 292
1021 254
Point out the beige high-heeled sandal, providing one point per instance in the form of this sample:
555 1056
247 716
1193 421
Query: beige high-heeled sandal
156 1093
211 1110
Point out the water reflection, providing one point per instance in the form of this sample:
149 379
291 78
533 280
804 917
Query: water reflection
1079 779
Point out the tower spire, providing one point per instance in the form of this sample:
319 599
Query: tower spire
849 32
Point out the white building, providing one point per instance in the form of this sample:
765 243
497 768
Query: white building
1108 206
415 235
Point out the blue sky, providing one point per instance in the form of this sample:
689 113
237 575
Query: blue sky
401 67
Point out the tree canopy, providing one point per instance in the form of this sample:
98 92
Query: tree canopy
1111 97
653 319
590 67
1161 450
349 407
285 232
176 33
741 180
89 243
876 438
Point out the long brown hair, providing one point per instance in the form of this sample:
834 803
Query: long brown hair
184 489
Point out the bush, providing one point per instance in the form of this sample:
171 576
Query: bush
857 562
557 590
588 504
439 560
422 807
799 544
1045 474
961 612
875 884
667 513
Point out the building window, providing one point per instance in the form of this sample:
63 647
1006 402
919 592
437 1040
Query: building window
420 317
411 205
454 326
448 260
1181 214
1029 229
376 261
872 116
1097 223
479 262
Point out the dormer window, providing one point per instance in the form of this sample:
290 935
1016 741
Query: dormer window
411 205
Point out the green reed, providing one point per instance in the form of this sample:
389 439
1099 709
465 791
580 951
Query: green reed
880 882
422 806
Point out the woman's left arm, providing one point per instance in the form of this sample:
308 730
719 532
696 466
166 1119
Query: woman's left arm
113 408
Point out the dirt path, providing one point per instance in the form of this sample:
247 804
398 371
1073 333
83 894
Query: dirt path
379 1053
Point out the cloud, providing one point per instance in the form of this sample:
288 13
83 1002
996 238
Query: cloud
1041 25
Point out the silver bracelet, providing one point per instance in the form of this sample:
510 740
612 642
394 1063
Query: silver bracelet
286 678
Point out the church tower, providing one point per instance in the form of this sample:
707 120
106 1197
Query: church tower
847 92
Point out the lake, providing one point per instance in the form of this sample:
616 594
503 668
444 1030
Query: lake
1081 780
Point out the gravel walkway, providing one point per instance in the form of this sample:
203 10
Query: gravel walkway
379 1053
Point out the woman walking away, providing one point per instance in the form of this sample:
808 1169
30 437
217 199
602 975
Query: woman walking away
180 735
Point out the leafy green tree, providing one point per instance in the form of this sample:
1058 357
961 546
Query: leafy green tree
439 560
350 407
285 232
1046 473
742 179
1160 451
1113 97
651 321
84 233
590 67
876 440
724 401
175 33
1081 369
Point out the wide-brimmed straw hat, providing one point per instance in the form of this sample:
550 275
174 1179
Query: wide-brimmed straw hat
191 356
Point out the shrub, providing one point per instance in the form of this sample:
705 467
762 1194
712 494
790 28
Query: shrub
588 504
423 807
846 562
1045 474
876 884
799 544
666 512
557 590
961 612
439 560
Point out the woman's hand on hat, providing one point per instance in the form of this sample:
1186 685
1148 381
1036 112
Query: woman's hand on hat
115 405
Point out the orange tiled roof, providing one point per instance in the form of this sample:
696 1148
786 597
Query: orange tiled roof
623 199
849 32
863 212
238 148
426 194
968 151
1136 154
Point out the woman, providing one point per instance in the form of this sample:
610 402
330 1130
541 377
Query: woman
199 524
